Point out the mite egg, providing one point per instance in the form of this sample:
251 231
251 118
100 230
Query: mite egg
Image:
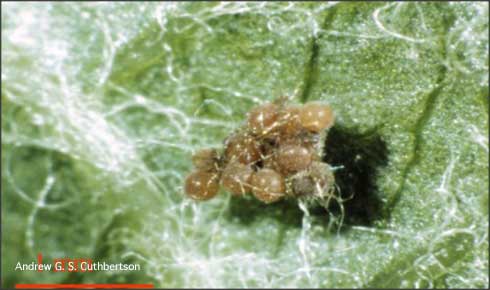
236 178
268 185
302 185
316 181
242 147
202 185
323 177
262 119
290 125
276 154
205 159
270 163
293 158
316 117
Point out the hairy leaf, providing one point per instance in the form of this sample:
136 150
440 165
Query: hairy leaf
103 105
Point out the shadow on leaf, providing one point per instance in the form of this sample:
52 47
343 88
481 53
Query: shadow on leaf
357 157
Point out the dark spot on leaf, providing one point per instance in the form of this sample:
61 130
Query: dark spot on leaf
359 156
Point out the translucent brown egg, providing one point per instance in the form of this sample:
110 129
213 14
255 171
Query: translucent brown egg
262 119
268 185
236 178
205 159
321 174
270 162
276 153
242 147
290 125
317 180
302 185
316 117
202 185
293 158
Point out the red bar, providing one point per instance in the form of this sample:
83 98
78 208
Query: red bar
83 286
39 261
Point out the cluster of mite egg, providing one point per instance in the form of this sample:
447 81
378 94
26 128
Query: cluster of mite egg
274 155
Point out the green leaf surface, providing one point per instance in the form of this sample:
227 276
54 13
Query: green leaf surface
103 104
